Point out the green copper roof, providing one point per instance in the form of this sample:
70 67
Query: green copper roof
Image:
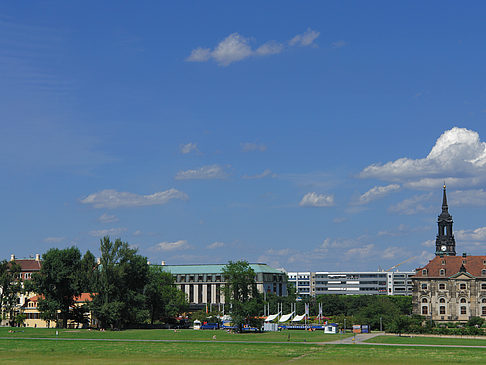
214 269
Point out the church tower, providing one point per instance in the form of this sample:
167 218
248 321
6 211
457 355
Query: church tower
445 244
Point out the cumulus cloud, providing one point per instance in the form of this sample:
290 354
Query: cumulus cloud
339 44
411 205
475 197
107 232
392 252
361 252
170 246
202 173
236 47
458 156
54 239
108 218
215 245
251 146
428 243
377 192
114 199
265 173
478 234
188 148
305 39
317 200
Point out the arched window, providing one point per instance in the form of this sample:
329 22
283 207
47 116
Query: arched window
483 272
483 300
424 300
463 300
424 272
441 300
442 272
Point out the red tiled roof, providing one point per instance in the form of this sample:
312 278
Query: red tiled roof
452 265
84 297
29 264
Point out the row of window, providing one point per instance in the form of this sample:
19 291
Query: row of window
443 301
442 272
461 286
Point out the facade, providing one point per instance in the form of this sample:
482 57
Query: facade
450 287
352 282
203 283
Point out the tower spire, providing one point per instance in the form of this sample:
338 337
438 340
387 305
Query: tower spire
445 208
445 243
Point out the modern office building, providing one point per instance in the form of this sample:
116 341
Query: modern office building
352 282
203 283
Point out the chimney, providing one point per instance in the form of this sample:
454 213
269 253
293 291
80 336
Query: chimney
163 263
12 257
37 257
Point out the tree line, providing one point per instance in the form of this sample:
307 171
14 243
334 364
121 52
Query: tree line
125 290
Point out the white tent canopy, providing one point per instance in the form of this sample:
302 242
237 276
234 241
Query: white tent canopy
298 318
286 317
271 317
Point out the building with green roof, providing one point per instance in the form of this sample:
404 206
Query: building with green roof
203 283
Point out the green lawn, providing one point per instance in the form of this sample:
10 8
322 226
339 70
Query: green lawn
18 351
428 341
221 335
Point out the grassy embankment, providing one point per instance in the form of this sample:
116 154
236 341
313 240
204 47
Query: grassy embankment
428 341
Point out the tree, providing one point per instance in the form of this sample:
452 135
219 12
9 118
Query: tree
58 282
241 293
10 288
163 298
475 322
123 275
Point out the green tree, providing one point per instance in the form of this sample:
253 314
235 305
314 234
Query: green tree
164 300
10 288
241 293
58 282
475 322
123 275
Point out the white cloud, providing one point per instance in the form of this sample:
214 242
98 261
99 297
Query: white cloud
137 233
265 173
468 197
317 200
412 205
339 44
188 148
107 232
108 218
428 243
377 192
202 173
478 234
280 252
251 146
170 246
360 251
114 199
458 156
305 39
392 252
235 48
54 239
216 245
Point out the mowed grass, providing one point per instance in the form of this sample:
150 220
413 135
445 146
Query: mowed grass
186 335
428 340
20 351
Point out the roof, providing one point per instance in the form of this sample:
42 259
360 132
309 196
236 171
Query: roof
214 269
452 264
29 264
84 297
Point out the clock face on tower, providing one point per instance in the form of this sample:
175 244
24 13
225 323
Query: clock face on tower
443 248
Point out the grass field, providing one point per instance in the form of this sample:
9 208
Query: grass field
190 335
18 351
428 341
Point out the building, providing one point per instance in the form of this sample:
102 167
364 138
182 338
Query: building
203 283
450 287
352 282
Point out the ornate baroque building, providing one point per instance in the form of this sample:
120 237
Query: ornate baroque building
450 287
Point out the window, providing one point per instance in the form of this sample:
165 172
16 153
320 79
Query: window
483 286
462 286
483 301
483 272
463 300
424 300
443 262
442 309
442 272
464 262
424 272
424 310
483 311
441 300
441 286
424 286
463 310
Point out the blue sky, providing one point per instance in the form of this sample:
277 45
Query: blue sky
311 136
